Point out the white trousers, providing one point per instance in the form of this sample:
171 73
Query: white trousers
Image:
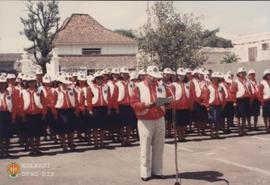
152 136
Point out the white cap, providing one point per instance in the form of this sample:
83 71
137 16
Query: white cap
115 71
241 69
168 70
75 74
194 71
181 71
31 77
153 71
38 71
228 78
133 75
20 75
266 71
11 76
3 79
188 70
46 78
106 71
251 71
142 72
217 75
63 79
203 71
124 70
98 74
82 77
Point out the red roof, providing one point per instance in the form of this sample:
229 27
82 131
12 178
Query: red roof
83 29
98 61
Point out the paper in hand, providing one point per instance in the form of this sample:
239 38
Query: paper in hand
162 101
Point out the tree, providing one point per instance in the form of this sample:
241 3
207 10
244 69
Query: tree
212 40
127 33
230 58
40 27
170 38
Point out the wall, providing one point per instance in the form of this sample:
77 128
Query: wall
259 67
105 49
241 50
215 55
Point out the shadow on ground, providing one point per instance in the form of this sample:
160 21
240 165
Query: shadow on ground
209 176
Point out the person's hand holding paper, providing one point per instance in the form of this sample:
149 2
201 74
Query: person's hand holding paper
162 101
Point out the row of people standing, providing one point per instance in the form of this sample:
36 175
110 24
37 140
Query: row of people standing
202 97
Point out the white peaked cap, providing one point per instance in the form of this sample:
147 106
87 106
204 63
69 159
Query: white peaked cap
115 71
266 71
38 71
82 77
124 70
168 70
46 78
181 71
11 76
251 71
142 72
3 79
188 70
154 72
98 74
241 69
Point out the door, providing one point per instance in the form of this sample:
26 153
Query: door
252 54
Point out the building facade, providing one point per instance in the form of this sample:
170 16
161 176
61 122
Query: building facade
84 44
251 48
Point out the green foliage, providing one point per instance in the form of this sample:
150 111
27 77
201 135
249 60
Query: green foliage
230 58
40 27
212 40
170 39
127 33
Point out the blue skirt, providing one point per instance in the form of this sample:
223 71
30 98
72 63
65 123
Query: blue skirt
127 116
266 109
34 125
66 122
229 110
5 124
255 108
243 107
215 114
183 117
200 113
100 118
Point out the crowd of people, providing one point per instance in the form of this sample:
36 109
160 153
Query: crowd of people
103 105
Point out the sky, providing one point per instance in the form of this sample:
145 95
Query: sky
234 18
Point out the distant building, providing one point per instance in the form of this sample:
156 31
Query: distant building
251 48
83 43
9 61
215 55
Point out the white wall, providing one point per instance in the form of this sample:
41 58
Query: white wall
242 51
105 49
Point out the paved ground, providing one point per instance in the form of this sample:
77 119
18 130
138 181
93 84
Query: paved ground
233 160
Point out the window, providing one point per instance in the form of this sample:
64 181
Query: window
91 51
265 46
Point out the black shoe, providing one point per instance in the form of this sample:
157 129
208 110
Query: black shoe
38 152
159 177
146 178
33 153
